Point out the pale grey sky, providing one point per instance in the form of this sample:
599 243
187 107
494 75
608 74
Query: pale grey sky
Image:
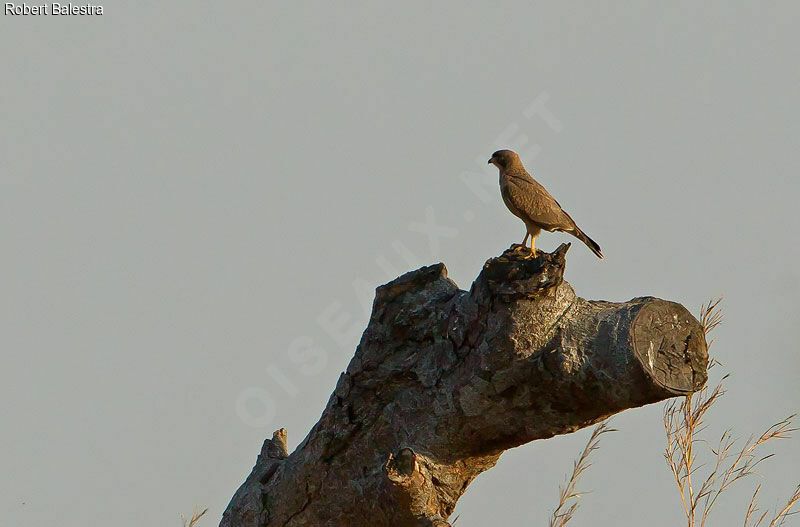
191 191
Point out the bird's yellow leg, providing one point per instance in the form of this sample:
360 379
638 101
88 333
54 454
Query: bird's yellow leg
525 239
533 249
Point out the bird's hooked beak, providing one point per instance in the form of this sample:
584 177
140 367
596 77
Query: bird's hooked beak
490 161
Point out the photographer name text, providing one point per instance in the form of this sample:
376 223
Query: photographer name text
53 8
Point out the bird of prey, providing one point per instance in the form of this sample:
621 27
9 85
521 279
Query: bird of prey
530 202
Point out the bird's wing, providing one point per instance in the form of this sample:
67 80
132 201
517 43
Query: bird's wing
533 200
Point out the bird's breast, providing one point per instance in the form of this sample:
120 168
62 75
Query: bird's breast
506 194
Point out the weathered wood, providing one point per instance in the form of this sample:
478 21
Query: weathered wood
445 380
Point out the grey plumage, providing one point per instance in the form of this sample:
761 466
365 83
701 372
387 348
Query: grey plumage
530 202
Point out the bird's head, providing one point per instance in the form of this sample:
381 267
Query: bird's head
504 159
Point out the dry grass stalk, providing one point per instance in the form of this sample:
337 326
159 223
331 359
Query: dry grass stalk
780 516
711 316
563 514
196 515
683 422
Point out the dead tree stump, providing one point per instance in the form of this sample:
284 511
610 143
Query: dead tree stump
445 380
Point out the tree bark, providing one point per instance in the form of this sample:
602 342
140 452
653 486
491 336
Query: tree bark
444 380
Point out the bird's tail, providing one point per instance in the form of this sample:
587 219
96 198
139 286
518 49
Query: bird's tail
590 243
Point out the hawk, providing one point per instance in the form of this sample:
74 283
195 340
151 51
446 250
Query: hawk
530 202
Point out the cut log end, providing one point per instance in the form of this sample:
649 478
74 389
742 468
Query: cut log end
671 346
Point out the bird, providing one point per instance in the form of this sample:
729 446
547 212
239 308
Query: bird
530 202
